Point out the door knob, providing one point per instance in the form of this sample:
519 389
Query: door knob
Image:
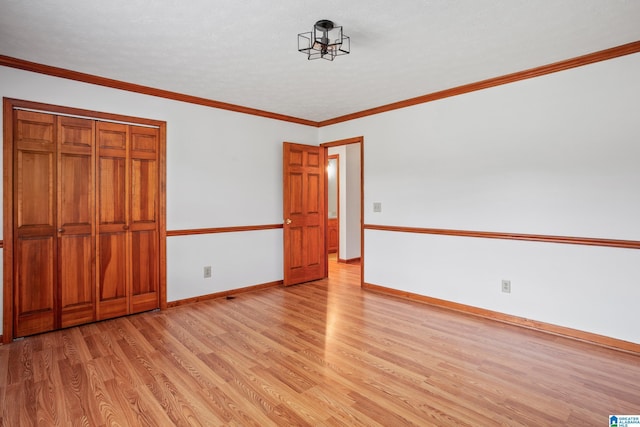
60 230
287 221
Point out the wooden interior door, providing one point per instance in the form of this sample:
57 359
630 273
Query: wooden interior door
34 216
113 220
75 220
304 213
144 219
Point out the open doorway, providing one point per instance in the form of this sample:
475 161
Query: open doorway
333 205
344 191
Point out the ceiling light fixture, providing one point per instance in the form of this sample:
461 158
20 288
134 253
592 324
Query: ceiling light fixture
326 41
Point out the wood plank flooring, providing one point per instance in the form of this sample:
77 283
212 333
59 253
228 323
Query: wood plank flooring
321 354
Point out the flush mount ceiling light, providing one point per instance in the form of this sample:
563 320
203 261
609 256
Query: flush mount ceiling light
326 41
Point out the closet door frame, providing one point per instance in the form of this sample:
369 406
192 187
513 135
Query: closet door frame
9 105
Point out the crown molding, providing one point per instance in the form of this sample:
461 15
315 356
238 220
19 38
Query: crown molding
21 64
602 55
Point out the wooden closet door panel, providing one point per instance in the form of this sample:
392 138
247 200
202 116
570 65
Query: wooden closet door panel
112 191
113 220
144 193
76 174
112 136
144 219
76 218
77 289
75 193
34 296
144 178
113 299
144 141
113 182
144 271
34 182
34 130
35 191
76 134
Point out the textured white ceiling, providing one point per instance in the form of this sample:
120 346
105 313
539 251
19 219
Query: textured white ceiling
245 51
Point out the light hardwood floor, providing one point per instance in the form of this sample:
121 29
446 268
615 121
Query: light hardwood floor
323 353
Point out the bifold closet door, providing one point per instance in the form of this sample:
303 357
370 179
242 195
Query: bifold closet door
113 221
128 270
83 224
53 215
144 220
35 236
75 220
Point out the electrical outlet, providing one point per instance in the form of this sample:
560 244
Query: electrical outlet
506 286
207 272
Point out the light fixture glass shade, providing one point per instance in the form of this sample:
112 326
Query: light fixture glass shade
325 41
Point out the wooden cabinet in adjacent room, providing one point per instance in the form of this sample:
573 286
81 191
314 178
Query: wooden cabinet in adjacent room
86 220
333 235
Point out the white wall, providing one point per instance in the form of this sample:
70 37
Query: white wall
223 169
555 155
349 182
352 202
237 260
332 188
341 151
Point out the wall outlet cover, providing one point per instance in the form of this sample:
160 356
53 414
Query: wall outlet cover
506 286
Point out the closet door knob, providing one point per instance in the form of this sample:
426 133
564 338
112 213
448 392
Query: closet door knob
60 230
288 221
